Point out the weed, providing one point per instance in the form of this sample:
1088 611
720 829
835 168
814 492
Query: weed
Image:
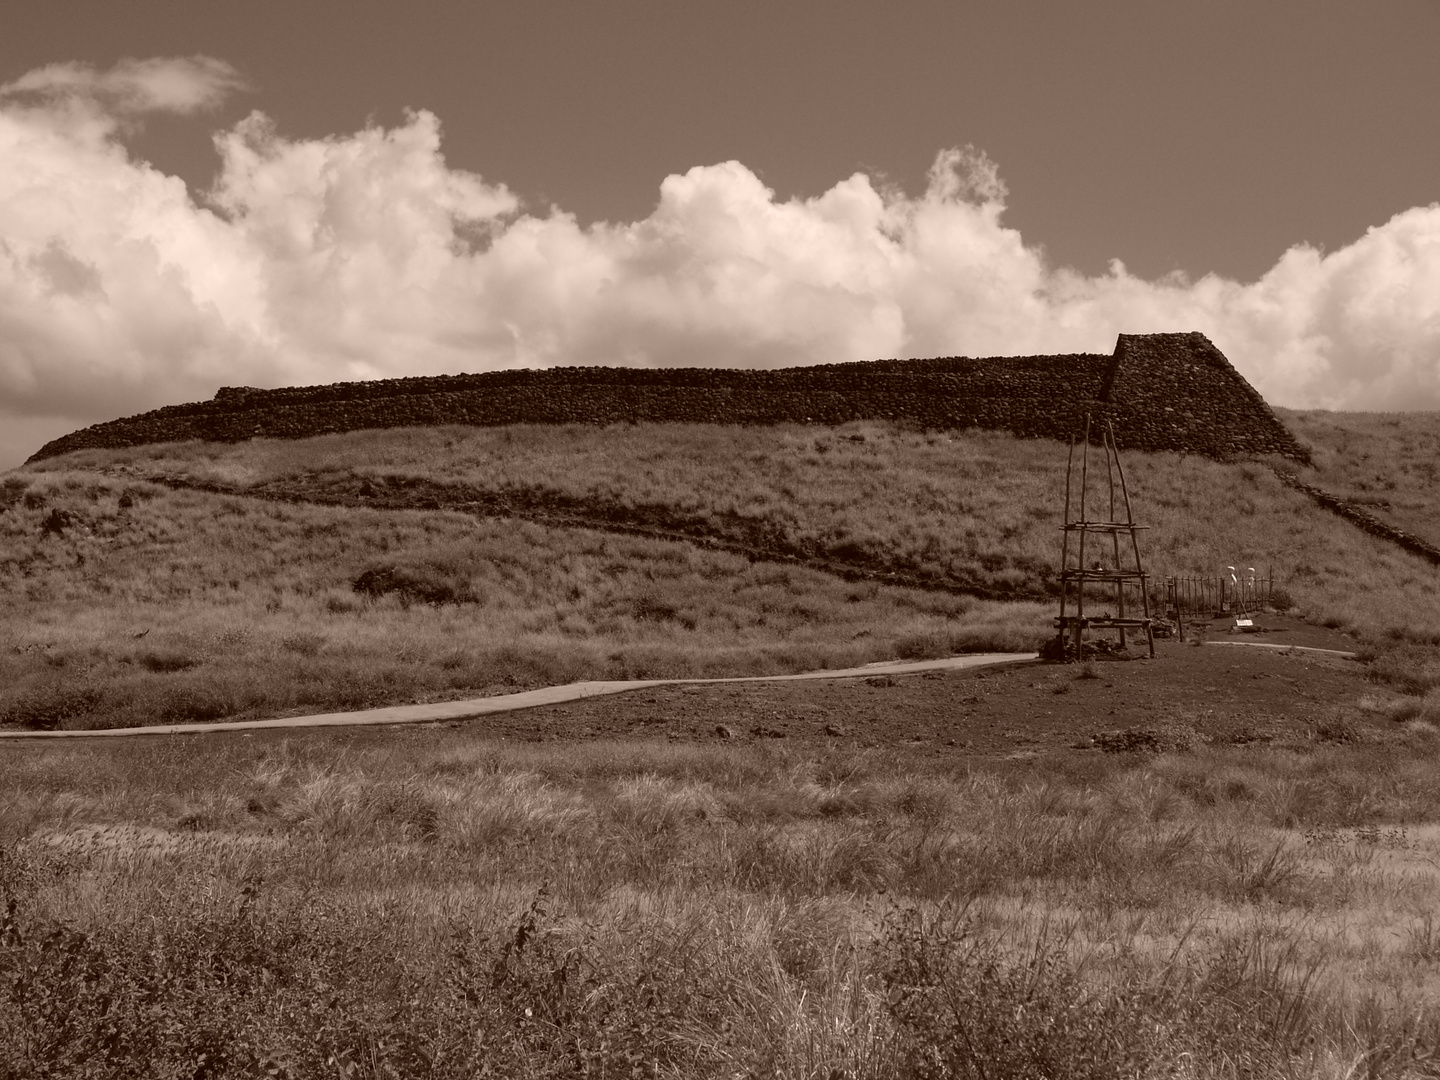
1243 872
165 660
1422 939
1337 731
303 644
415 584
233 637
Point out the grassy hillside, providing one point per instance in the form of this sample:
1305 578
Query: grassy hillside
126 600
975 507
1387 462
185 605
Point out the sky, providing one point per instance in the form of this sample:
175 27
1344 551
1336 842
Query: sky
270 194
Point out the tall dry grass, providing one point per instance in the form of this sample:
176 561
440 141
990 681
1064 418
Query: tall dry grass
426 903
141 605
974 506
1387 462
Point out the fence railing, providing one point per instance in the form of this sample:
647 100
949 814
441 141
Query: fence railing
1223 594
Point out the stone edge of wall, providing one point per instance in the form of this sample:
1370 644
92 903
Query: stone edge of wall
1361 518
1161 391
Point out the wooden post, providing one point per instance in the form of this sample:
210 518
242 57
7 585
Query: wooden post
1065 544
1111 450
1080 579
1135 543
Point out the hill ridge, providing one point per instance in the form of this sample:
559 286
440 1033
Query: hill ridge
755 539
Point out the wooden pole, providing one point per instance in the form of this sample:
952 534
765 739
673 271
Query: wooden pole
1112 451
1080 577
1135 543
1065 536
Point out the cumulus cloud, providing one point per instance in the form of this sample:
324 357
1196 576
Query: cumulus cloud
367 255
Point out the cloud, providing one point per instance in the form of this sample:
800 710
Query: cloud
367 255
179 85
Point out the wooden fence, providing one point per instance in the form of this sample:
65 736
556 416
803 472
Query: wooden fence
1243 589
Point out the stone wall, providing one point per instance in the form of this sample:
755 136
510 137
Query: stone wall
1163 392
1362 519
1179 392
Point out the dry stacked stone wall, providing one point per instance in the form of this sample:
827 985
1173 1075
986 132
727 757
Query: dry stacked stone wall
1163 392
1179 392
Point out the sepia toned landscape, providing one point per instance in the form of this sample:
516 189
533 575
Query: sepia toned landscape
1219 862
712 541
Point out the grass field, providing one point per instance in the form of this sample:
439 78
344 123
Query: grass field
981 506
420 903
975 506
185 605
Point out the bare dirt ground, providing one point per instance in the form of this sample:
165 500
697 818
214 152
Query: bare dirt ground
1213 694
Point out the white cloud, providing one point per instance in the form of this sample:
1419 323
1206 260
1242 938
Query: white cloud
367 255
177 84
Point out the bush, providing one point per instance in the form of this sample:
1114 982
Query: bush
1407 667
422 584
167 660
303 643
48 707
12 490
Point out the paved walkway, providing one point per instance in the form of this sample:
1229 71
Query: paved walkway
555 695
1281 647
529 699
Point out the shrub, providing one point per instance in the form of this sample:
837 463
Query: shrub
1337 731
303 644
12 490
421 584
650 606
194 704
48 707
1409 668
166 660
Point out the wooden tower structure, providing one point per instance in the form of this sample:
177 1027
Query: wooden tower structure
1088 542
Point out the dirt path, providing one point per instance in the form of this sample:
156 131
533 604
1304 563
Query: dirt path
1234 695
1292 681
530 699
